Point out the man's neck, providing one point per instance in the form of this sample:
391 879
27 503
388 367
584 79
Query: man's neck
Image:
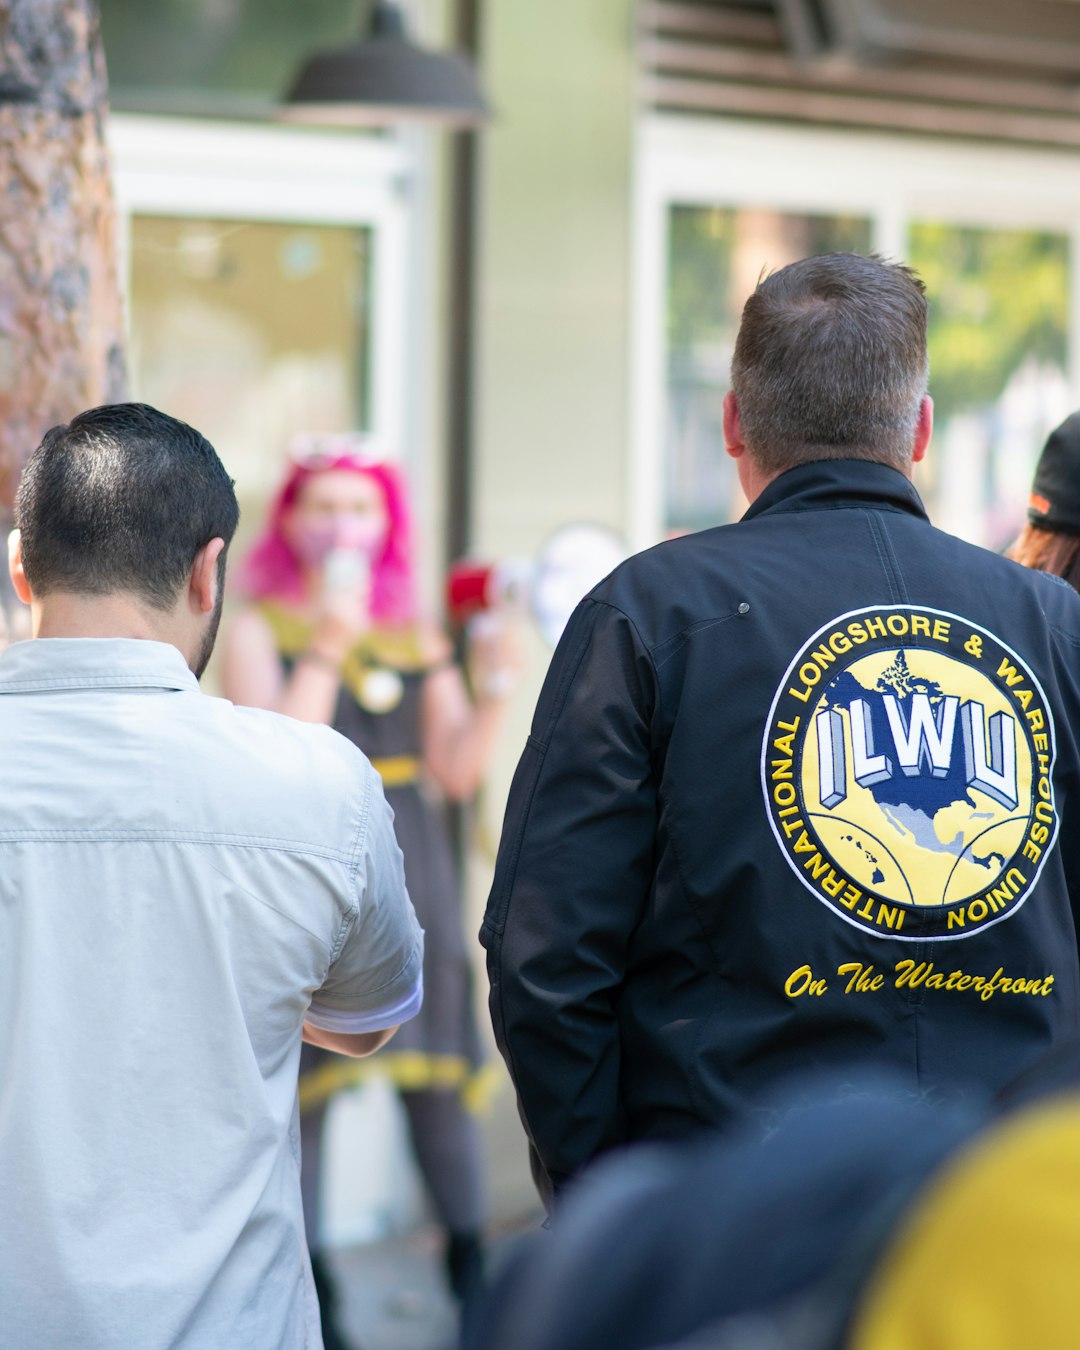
753 480
62 614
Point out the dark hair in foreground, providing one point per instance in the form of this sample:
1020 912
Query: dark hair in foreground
1054 551
830 362
1050 542
122 499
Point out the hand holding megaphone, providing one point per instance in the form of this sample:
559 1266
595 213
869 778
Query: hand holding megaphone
496 658
548 587
343 603
480 587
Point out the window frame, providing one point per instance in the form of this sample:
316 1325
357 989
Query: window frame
891 179
206 169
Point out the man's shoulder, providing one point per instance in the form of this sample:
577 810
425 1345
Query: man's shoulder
1052 593
674 584
1058 601
720 573
311 748
277 775
245 724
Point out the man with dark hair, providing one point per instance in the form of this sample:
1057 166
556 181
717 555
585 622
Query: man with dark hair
187 890
800 791
822 372
121 501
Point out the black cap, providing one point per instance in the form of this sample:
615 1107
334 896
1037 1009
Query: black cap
1055 494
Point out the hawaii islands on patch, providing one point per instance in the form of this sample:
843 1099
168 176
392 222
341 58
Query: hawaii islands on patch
907 771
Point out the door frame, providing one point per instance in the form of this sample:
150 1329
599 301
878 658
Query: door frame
891 179
186 167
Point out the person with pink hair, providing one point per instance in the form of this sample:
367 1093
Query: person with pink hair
332 633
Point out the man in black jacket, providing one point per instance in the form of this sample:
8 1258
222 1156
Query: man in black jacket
801 791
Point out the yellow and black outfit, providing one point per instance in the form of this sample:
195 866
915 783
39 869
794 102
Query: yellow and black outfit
435 1059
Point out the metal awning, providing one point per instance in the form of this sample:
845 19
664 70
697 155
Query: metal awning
993 69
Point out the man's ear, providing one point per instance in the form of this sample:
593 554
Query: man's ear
733 439
924 429
203 590
15 567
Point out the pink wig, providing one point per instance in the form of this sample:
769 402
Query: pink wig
272 571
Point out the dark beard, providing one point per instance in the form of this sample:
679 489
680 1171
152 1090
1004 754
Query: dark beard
202 659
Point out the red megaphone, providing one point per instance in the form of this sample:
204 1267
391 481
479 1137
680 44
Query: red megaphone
474 586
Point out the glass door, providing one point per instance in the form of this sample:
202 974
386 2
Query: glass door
715 257
999 340
269 287
993 231
253 332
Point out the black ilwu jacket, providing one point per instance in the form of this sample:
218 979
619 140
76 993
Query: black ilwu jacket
800 791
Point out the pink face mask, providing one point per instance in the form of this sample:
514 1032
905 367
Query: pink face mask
314 543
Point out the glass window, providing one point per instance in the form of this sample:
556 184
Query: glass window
998 357
173 48
252 332
715 258
998 341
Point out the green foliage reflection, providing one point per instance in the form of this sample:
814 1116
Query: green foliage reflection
706 292
997 299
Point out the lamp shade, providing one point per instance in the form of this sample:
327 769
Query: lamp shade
385 78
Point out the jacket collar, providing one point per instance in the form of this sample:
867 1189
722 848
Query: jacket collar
831 483
93 663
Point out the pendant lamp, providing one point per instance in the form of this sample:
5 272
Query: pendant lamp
385 78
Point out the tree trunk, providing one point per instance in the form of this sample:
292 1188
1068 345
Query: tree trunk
61 319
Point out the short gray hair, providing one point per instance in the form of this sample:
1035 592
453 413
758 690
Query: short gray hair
831 363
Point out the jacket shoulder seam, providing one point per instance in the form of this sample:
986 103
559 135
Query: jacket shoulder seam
569 675
1071 638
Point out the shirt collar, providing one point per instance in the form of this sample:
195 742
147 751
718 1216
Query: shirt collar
93 663
831 483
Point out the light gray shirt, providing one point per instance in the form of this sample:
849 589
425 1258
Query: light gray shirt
182 884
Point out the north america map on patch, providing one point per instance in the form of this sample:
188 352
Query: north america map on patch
888 777
907 765
911 803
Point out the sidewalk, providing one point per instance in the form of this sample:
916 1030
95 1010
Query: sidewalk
392 1292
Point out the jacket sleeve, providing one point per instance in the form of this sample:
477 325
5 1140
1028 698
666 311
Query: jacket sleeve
573 875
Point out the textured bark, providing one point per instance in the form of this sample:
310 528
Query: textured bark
61 319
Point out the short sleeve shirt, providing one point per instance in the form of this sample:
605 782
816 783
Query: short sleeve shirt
183 884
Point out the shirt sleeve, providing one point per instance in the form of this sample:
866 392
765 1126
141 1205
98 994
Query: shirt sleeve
375 979
573 875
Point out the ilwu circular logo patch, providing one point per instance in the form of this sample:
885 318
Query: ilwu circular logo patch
907 766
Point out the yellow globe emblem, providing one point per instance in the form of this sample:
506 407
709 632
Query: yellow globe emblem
907 770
